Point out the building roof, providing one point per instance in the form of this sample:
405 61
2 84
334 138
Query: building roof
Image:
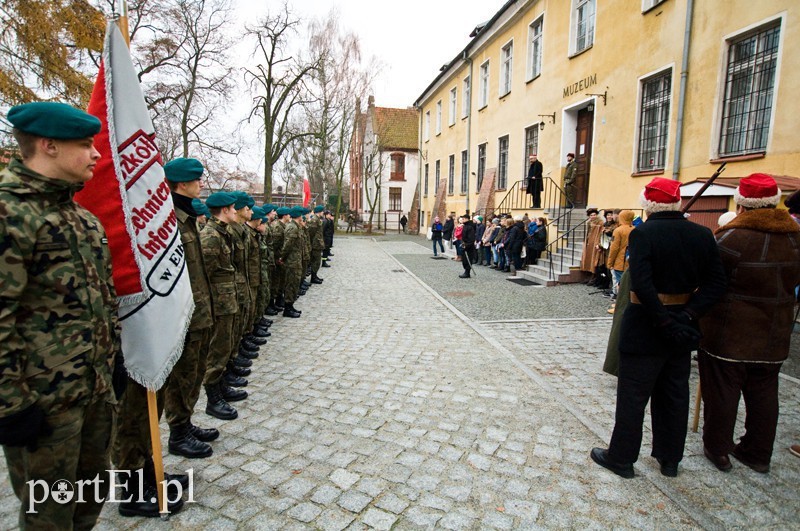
396 128
786 183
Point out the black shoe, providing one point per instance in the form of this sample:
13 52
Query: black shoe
217 406
302 292
278 303
464 275
238 371
330 254
325 264
722 462
147 506
242 362
316 280
247 354
183 479
271 310
204 435
233 380
256 340
289 311
182 442
233 395
248 345
305 285
758 467
264 322
600 456
259 332
668 468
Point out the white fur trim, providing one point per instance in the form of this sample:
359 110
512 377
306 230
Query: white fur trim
651 206
757 202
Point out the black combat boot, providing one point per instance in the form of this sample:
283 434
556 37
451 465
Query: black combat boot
233 380
150 472
279 302
144 498
264 322
302 292
271 309
289 311
182 442
325 263
247 354
239 361
315 279
238 371
258 332
204 434
256 340
232 395
248 345
217 406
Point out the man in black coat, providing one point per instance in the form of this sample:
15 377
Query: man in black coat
535 184
468 243
676 276
328 229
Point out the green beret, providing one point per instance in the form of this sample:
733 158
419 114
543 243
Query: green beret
258 213
50 119
296 211
200 208
243 199
318 208
268 207
183 170
282 211
220 199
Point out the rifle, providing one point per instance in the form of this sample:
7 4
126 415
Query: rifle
703 188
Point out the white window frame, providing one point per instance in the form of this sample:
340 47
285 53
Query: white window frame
535 44
464 172
466 96
502 163
451 174
666 71
591 26
483 94
439 117
506 68
426 129
453 100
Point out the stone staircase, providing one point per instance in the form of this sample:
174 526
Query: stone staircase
565 255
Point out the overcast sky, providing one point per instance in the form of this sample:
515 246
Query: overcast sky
412 38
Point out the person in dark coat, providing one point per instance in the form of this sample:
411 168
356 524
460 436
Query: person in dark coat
480 229
676 277
447 230
535 184
516 239
328 230
468 243
746 336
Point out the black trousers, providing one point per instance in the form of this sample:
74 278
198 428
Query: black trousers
723 382
663 379
472 254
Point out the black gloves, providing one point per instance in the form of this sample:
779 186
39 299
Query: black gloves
119 378
680 330
24 428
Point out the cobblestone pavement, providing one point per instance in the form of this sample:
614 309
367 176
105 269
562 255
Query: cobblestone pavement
385 406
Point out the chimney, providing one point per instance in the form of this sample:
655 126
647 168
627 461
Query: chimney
371 101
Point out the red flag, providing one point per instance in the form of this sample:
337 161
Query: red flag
306 192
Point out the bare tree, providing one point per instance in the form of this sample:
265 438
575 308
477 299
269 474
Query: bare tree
375 163
277 82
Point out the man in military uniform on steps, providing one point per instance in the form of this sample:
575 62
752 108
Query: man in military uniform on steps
58 339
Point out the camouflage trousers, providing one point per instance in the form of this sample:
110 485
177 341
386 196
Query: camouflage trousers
221 347
77 450
183 387
253 314
131 446
242 322
294 275
263 298
278 282
316 260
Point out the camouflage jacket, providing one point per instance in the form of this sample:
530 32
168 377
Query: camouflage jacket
315 233
267 248
306 243
240 247
253 238
198 276
58 309
217 246
277 229
292 251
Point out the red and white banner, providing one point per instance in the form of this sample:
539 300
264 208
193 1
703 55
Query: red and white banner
306 192
130 196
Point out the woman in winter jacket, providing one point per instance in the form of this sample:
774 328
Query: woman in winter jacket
436 235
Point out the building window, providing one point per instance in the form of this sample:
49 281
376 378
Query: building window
531 146
583 24
451 170
464 174
426 128
466 94
749 92
453 99
502 163
481 165
439 117
437 174
426 180
535 48
654 122
483 95
395 199
398 168
506 63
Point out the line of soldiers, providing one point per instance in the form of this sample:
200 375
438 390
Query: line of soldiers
67 407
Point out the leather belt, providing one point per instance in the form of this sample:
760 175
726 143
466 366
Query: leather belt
668 299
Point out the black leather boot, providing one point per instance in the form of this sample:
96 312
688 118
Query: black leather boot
182 442
233 380
289 311
302 292
142 493
217 406
248 345
264 322
238 371
279 303
204 434
247 354
315 279
256 340
232 395
239 361
259 332
325 263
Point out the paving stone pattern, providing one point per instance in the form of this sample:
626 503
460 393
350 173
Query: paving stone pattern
381 408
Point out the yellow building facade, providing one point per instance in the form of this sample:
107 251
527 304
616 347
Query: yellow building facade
634 88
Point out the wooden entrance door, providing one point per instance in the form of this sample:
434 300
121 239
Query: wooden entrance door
583 156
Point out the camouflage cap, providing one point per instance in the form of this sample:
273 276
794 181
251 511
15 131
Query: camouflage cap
183 170
50 119
220 199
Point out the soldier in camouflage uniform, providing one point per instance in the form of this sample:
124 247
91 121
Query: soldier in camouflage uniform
304 284
58 337
267 266
184 177
317 243
217 244
292 261
278 230
258 329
